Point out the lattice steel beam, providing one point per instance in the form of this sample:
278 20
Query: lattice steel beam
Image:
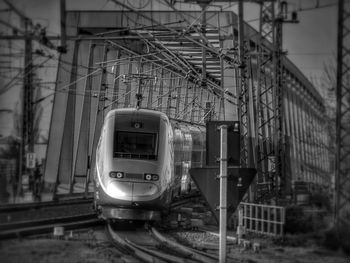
243 95
270 116
265 107
342 201
27 143
279 151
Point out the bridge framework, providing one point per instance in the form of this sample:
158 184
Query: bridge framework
169 60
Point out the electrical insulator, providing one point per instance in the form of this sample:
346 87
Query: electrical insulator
284 9
124 78
294 16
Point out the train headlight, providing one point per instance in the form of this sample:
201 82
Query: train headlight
148 177
116 191
117 175
151 177
155 177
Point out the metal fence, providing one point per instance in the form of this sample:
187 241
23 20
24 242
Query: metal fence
263 219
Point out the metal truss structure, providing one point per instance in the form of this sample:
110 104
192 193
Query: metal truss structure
178 65
29 33
244 96
268 106
342 189
278 161
165 65
194 66
270 116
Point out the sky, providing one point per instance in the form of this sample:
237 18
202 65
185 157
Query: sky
313 42
309 44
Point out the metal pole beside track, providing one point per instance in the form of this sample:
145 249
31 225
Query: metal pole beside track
223 193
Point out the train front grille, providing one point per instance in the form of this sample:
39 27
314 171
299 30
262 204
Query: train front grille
134 176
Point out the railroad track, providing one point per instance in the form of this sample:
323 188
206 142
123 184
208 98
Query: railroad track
46 204
151 246
185 200
44 226
13 213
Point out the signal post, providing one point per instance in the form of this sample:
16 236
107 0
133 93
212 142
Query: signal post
224 186
223 193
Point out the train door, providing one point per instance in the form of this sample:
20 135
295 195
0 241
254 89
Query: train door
186 160
198 150
178 149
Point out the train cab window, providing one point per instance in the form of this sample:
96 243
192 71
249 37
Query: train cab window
136 145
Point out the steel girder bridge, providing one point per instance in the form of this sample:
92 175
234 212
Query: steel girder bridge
194 66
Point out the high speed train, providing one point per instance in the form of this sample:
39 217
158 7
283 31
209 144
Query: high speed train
142 163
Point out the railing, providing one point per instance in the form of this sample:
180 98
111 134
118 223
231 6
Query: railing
262 219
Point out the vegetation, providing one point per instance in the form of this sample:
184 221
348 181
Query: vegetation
321 201
335 239
297 221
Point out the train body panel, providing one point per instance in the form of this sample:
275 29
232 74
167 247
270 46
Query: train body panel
142 162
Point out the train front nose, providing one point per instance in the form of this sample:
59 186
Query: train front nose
132 191
131 201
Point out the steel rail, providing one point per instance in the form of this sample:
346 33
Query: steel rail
27 228
47 221
185 200
133 251
230 240
45 204
150 253
192 253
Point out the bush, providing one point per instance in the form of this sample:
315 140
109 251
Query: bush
290 240
321 201
338 239
331 239
305 220
297 221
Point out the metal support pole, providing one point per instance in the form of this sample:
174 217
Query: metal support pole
223 193
243 94
27 142
63 25
342 161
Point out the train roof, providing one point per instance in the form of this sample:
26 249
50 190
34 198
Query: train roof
133 111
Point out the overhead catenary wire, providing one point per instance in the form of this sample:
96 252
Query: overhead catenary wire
171 62
65 88
14 80
209 49
82 77
82 65
177 57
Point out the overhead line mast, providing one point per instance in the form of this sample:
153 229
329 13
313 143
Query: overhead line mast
342 172
31 32
261 111
269 111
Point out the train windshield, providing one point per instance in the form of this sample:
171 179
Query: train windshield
136 145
